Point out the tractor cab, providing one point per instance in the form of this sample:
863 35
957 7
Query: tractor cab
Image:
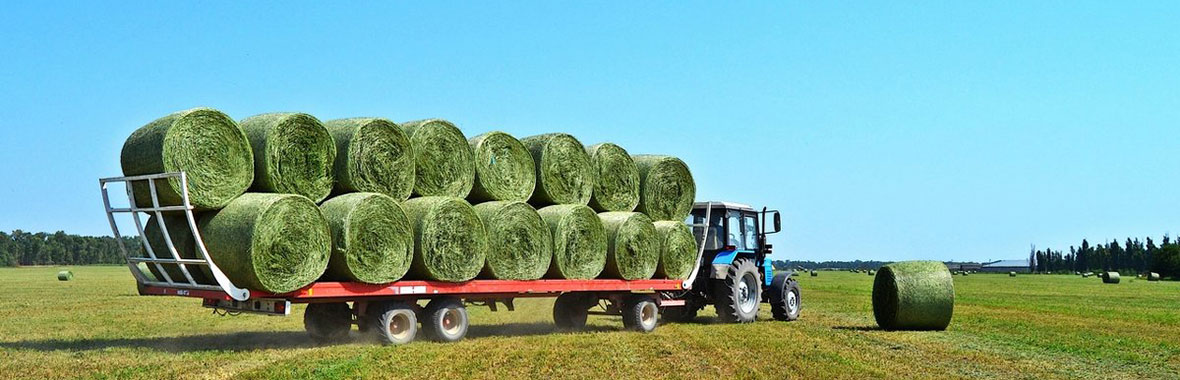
735 231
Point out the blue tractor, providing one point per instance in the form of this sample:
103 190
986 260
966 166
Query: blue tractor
734 274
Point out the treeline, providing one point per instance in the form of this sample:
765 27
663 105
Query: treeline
809 265
59 248
1133 256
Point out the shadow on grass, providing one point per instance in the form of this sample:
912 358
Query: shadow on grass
858 328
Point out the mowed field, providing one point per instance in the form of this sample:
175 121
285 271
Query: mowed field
1025 327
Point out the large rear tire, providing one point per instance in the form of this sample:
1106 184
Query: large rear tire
785 300
736 298
327 322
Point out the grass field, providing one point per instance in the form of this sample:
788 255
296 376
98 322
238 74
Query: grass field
1024 327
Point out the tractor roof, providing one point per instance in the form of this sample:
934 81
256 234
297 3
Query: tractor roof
727 205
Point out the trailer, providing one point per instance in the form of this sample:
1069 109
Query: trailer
390 312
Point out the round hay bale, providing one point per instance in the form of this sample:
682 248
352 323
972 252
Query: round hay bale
1086 275
293 154
202 142
275 243
1153 276
182 241
678 250
914 295
1011 274
814 273
616 181
871 272
632 247
666 187
372 241
579 242
504 169
519 241
373 155
147 272
450 243
65 275
443 162
1110 277
565 174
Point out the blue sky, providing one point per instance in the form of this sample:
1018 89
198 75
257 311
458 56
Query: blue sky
883 131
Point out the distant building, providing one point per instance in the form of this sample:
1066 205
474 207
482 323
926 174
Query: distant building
1004 266
957 266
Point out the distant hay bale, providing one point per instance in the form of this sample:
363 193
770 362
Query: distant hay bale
914 295
504 169
293 154
1086 275
65 275
372 155
1110 278
1153 276
814 273
443 162
871 272
1011 274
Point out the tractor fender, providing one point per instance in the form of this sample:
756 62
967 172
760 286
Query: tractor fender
724 259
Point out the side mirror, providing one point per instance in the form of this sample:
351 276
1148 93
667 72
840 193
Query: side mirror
778 222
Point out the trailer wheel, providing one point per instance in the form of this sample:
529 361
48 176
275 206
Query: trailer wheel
737 296
445 319
785 300
640 313
571 309
327 322
393 323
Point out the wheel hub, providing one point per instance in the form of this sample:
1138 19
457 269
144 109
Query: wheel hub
450 322
747 289
792 303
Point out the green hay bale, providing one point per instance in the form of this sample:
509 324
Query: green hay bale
293 154
1110 277
1086 275
147 272
632 246
579 242
276 243
565 174
871 272
616 183
443 162
372 241
814 274
1011 274
666 187
202 142
450 243
678 250
914 295
372 155
182 240
65 275
519 242
1153 276
504 169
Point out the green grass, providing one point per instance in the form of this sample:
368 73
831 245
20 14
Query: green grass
1023 327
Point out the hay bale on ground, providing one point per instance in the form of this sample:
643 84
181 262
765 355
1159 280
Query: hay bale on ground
666 188
1011 274
914 295
450 242
519 242
443 162
678 250
65 275
504 169
276 243
1086 275
633 249
579 241
1110 277
293 154
1153 276
182 241
871 272
372 241
202 142
565 174
814 273
373 155
616 183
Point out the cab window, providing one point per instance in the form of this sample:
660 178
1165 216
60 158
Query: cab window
750 228
734 234
716 228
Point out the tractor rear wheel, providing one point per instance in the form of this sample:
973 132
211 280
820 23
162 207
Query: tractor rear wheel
327 322
785 300
736 298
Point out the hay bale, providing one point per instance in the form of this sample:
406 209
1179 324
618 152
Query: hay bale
579 242
1011 274
632 247
293 154
1153 276
565 174
504 169
814 273
1110 277
202 142
616 182
65 275
871 272
666 187
373 155
182 241
913 295
372 241
147 272
678 250
276 243
519 242
1086 275
450 243
443 162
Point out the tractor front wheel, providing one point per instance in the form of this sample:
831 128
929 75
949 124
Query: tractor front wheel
785 300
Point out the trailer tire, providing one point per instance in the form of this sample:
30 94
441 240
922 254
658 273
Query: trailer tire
327 322
640 313
445 320
785 300
736 297
393 323
570 311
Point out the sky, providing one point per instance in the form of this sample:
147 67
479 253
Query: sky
882 131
